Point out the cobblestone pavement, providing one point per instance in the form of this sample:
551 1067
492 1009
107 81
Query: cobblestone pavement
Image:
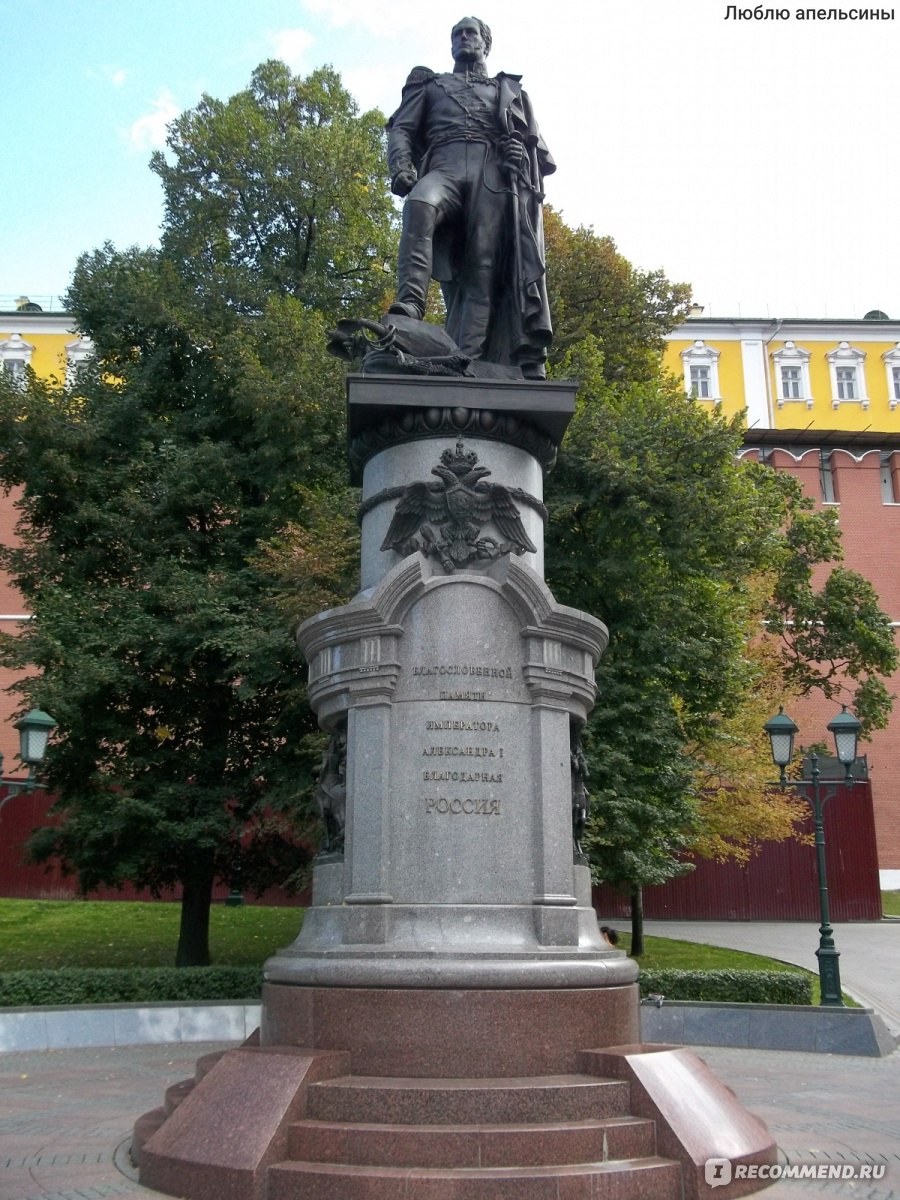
66 1115
821 1108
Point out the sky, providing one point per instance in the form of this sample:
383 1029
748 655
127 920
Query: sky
756 160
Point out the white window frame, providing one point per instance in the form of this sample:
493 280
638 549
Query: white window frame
891 359
791 355
791 387
888 490
848 357
77 353
826 478
701 355
700 381
15 350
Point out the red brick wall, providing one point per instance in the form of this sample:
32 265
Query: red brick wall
871 539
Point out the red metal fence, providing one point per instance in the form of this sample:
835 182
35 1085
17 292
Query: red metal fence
780 882
24 812
777 884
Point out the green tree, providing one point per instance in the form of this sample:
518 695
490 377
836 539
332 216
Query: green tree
646 532
658 529
280 190
162 491
595 291
149 488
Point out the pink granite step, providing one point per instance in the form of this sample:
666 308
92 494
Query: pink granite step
472 1145
144 1129
206 1063
623 1179
404 1101
176 1093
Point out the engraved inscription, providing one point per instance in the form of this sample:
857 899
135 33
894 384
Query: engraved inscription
451 773
467 807
465 726
463 776
470 669
460 752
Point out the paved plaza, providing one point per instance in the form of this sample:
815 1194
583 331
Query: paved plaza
66 1115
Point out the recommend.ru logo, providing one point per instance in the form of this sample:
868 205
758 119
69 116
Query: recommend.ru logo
719 1171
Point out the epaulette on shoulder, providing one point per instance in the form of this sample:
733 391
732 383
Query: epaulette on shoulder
419 75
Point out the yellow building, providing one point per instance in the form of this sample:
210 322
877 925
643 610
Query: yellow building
43 341
793 373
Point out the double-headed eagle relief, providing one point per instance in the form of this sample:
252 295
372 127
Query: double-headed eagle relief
444 518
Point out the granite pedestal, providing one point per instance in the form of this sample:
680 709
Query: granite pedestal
427 1028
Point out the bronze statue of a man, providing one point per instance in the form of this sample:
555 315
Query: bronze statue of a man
465 150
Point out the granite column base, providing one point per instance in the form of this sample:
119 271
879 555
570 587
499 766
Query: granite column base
444 1032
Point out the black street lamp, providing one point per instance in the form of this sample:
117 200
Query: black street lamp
34 732
845 728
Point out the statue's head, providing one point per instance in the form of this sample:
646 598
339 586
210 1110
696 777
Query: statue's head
470 40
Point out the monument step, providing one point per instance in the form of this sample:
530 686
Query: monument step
206 1062
144 1129
624 1179
176 1093
404 1101
536 1143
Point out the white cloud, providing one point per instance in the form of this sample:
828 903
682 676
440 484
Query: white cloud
117 77
372 17
291 45
149 131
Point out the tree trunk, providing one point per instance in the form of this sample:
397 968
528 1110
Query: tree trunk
637 922
193 933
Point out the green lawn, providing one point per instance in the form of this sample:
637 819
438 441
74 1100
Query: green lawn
890 904
663 952
122 933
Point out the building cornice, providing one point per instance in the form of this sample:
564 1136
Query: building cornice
37 323
831 439
787 328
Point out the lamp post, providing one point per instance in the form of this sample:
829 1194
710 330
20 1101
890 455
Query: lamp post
845 728
34 732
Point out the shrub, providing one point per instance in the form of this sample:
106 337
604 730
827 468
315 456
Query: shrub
732 986
126 985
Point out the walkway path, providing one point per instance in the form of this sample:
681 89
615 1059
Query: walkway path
870 952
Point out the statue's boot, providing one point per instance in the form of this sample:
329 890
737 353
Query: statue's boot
414 259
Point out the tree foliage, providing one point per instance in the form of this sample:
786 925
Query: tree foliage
149 486
279 191
595 291
648 531
832 633
737 807
160 489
